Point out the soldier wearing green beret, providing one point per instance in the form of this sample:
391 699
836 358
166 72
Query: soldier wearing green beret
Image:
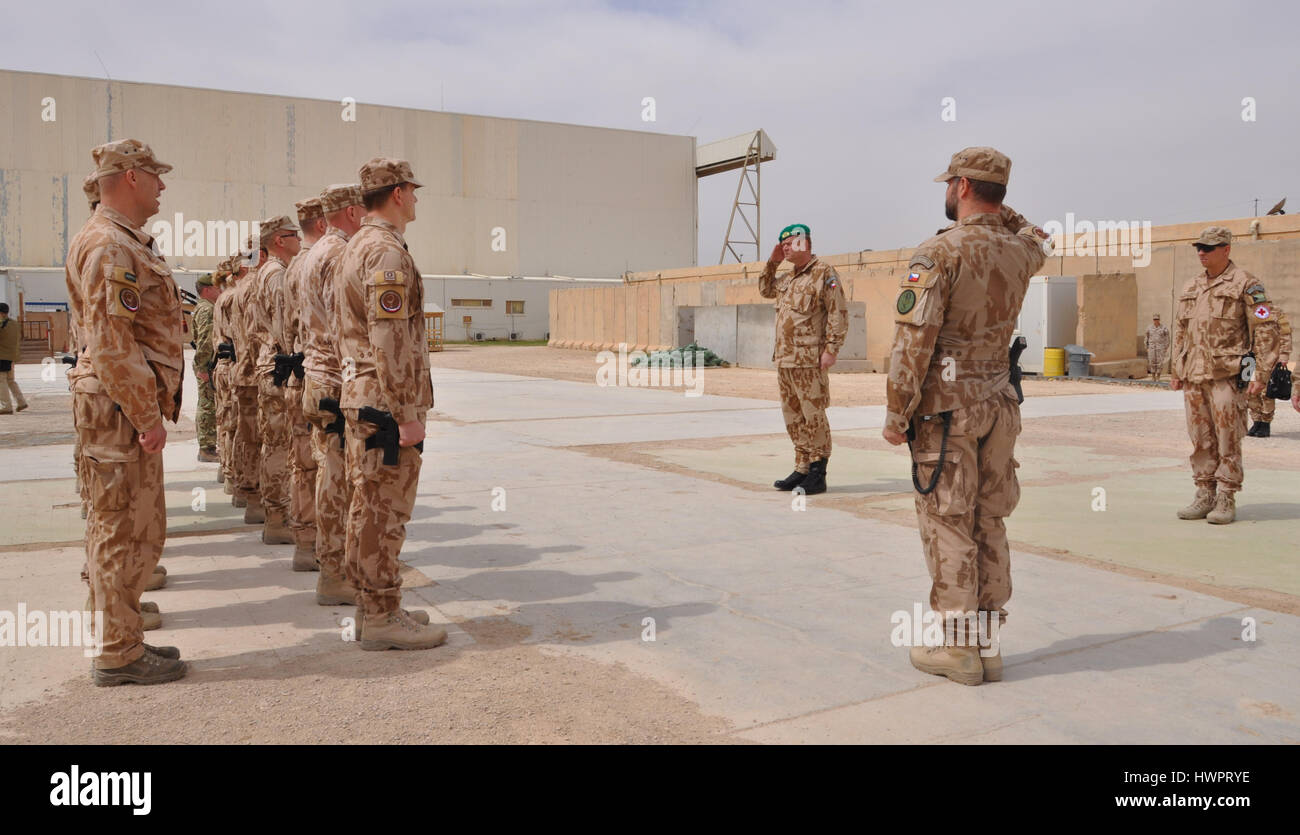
811 323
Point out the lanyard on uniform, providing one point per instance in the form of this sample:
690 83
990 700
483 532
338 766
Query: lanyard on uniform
943 454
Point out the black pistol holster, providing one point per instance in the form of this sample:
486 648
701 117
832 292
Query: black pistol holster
1018 346
331 405
387 437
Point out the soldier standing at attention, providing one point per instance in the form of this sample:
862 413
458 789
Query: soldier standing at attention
243 385
379 307
1260 405
126 383
1157 347
951 396
302 467
323 381
811 323
221 374
281 242
205 417
1221 314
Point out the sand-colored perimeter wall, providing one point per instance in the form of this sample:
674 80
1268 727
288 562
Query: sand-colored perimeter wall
642 312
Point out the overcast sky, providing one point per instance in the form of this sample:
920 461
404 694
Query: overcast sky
1109 110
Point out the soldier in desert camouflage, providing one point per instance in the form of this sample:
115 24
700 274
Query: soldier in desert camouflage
343 208
950 388
811 323
205 414
302 466
280 239
127 382
243 384
1260 405
1157 340
379 312
1221 314
227 414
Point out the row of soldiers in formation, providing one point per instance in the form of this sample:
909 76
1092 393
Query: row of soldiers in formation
318 378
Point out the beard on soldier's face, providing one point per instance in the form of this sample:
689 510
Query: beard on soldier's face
950 207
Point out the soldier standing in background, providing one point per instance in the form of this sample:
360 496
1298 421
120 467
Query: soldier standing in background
1157 347
811 323
243 384
281 242
302 466
1260 405
344 211
950 396
205 415
127 382
221 374
1222 313
379 304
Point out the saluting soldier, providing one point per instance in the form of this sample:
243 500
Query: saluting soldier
127 382
811 323
950 396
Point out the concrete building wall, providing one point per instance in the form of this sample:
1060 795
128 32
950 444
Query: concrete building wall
571 200
1273 255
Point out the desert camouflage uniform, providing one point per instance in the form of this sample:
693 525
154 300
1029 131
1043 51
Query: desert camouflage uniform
205 417
227 406
243 384
302 466
1157 349
379 310
1262 408
1218 320
956 312
322 380
267 296
128 379
811 317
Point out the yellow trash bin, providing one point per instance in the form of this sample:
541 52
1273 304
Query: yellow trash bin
1053 362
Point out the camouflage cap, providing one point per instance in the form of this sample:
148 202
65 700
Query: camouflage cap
90 186
125 154
1155 316
309 209
978 163
1213 236
339 196
382 172
273 226
205 280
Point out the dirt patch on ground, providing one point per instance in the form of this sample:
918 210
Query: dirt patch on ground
757 383
498 690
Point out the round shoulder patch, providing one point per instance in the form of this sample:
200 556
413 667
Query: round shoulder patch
906 300
129 298
1262 312
390 301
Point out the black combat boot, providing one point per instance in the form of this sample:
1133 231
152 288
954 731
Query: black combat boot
816 481
1253 431
791 481
1264 429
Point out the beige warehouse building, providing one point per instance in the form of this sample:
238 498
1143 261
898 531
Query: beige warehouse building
502 197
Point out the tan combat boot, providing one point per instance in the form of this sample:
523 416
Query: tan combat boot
336 591
992 666
254 513
152 620
1200 506
398 630
1225 509
959 664
149 668
229 489
304 557
418 615
276 531
156 581
145 606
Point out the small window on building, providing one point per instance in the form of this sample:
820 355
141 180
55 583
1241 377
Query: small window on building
471 302
515 308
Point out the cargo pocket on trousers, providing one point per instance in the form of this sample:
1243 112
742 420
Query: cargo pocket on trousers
109 467
950 496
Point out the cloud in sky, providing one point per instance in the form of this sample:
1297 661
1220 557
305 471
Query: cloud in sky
1109 110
